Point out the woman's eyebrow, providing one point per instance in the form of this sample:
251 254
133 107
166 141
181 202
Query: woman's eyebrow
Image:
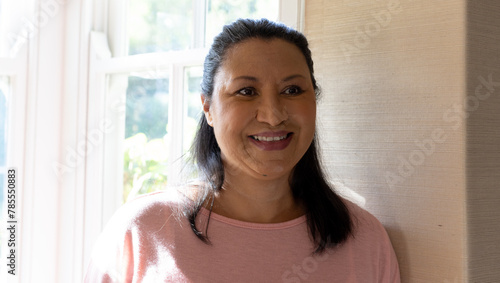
245 78
254 79
289 78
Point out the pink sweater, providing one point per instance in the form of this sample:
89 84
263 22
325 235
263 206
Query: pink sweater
146 242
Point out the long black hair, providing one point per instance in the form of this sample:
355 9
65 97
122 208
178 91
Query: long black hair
328 218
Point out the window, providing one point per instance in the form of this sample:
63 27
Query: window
221 12
87 62
156 26
156 82
168 25
146 57
147 136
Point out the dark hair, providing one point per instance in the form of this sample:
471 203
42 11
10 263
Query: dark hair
327 215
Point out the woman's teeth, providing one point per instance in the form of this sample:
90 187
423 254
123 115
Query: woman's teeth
268 139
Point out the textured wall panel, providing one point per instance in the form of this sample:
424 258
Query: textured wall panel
393 74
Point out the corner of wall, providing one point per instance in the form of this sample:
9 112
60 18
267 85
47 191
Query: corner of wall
482 110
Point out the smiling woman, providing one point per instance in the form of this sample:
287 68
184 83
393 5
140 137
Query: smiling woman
264 121
254 115
260 183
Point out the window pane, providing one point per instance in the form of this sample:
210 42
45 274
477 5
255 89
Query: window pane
167 25
151 154
223 12
146 137
160 25
192 102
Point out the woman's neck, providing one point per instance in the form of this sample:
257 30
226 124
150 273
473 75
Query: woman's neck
259 201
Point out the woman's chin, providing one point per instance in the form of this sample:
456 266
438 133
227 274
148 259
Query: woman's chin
272 171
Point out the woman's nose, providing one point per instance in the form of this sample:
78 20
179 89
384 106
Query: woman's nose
272 110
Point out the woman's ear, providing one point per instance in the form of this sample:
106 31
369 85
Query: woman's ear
205 101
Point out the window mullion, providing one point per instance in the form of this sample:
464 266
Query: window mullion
199 19
113 144
117 35
175 123
150 61
292 13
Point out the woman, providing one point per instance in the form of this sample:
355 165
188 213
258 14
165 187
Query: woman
263 211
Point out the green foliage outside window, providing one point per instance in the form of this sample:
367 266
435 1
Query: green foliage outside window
159 26
145 165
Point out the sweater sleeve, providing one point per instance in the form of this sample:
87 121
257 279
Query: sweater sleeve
389 266
112 258
127 246
387 261
373 242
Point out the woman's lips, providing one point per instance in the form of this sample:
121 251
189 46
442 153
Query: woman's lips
270 141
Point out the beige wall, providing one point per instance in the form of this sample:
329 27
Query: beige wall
403 132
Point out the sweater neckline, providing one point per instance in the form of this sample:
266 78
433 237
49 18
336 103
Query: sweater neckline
251 225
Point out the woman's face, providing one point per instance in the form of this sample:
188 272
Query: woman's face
263 108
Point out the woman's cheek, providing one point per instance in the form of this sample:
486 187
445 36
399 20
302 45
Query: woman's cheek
304 112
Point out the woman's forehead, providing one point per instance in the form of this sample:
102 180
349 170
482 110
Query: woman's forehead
257 44
259 55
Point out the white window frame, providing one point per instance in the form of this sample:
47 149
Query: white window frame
175 62
108 57
292 13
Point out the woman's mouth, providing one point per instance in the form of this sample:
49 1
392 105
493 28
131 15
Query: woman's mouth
272 141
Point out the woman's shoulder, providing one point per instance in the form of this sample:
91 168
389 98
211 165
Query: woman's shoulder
169 199
149 210
371 243
365 222
134 223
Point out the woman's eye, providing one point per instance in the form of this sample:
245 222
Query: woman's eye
293 90
246 91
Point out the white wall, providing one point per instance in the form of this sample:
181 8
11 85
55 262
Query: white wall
396 129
